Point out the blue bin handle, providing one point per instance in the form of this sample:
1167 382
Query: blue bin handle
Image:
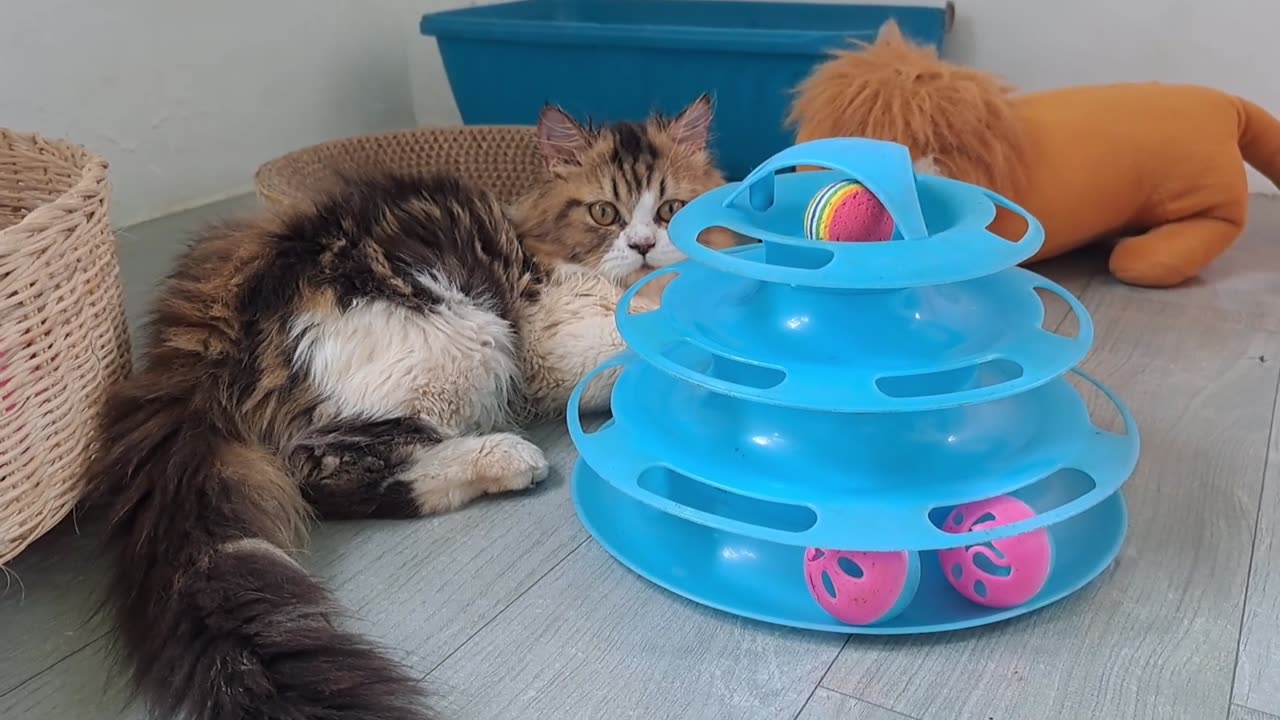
883 167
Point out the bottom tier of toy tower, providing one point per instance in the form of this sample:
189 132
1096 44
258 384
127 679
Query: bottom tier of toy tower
854 523
766 581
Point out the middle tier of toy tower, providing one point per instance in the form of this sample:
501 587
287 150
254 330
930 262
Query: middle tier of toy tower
791 394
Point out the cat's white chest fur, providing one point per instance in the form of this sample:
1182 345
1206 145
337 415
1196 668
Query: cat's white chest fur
461 366
455 365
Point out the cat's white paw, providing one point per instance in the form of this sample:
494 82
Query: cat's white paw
509 462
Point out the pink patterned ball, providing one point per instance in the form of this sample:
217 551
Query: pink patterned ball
846 211
1001 573
861 588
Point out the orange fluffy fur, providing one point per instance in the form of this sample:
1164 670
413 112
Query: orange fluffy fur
961 119
1158 167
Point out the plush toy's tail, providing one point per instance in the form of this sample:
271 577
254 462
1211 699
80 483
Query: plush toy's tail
960 119
1260 140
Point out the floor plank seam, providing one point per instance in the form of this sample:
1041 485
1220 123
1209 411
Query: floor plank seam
55 664
868 702
1262 714
1253 546
1088 283
822 677
505 608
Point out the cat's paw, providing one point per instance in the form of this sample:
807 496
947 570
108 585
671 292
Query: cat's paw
507 462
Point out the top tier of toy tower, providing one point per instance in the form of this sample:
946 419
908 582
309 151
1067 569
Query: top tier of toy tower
925 320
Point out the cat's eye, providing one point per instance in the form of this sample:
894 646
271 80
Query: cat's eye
668 210
603 213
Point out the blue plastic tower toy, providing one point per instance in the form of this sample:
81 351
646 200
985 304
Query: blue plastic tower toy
794 394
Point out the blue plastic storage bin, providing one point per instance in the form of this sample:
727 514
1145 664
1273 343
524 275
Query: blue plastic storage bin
619 59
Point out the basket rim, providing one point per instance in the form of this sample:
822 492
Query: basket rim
92 179
267 167
272 184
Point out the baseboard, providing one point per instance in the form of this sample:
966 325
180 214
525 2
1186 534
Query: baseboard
177 209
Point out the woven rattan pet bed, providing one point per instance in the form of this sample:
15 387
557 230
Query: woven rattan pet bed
63 335
502 159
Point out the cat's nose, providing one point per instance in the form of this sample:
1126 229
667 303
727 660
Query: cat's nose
641 246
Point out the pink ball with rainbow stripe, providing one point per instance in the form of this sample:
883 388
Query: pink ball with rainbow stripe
1002 573
846 211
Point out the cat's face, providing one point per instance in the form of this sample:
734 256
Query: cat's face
615 188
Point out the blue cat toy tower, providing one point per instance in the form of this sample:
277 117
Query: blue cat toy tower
794 394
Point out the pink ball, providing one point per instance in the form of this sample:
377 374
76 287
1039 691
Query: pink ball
861 588
1002 573
846 211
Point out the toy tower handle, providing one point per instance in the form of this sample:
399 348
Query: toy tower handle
883 167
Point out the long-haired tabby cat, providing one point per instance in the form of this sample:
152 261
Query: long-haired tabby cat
368 356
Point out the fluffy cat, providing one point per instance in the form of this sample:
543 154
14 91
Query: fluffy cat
369 356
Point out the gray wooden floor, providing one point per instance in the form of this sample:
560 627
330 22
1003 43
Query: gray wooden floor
513 612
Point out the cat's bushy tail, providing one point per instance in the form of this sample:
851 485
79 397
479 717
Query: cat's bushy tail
215 619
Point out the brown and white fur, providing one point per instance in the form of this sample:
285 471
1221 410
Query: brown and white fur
368 356
643 171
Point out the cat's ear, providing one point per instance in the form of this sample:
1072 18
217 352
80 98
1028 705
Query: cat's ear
692 126
561 138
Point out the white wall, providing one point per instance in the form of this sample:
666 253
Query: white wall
187 98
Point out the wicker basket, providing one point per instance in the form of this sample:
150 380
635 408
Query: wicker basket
63 335
502 159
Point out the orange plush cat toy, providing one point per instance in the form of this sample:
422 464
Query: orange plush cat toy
1159 167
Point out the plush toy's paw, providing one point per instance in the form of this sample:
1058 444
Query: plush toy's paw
1148 274
1172 254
